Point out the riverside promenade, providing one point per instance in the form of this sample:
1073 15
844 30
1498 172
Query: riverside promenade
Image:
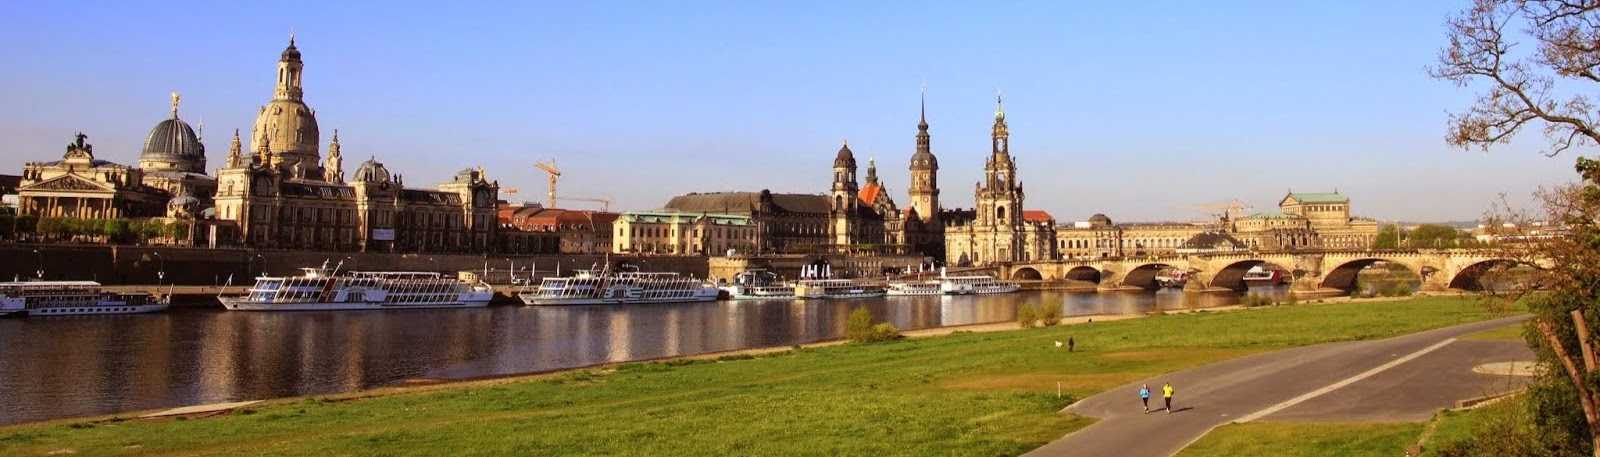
1405 378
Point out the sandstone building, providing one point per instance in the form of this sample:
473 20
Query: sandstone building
282 195
998 229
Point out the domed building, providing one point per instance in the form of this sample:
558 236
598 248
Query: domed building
174 159
285 126
279 196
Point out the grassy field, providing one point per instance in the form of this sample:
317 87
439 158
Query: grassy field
962 394
1305 440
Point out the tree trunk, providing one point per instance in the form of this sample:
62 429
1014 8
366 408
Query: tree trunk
1585 396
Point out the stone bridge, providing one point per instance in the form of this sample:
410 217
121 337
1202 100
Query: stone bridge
1315 271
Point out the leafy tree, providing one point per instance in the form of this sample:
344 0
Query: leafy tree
1388 237
1433 236
1547 85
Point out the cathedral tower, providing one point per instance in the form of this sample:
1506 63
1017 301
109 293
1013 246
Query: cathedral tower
925 174
286 122
845 195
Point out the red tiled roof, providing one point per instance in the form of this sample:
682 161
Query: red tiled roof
1034 215
870 193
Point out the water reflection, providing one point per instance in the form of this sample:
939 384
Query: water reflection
74 366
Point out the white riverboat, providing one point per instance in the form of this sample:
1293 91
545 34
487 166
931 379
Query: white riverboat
316 290
758 285
586 288
976 285
835 288
911 289
72 298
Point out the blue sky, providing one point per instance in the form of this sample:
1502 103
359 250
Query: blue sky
1127 109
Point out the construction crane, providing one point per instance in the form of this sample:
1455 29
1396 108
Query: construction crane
1224 212
554 173
605 202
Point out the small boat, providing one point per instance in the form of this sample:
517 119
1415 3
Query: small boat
318 290
605 288
72 298
1258 276
758 285
909 289
1173 280
835 288
976 285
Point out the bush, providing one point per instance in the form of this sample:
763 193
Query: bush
1292 300
1050 313
883 332
859 326
1255 300
1027 314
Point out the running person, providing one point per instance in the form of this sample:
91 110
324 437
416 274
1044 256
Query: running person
1144 394
1166 391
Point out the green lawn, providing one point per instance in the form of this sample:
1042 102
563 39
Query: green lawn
962 394
1306 440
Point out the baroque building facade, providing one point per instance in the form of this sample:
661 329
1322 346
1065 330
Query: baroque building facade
1302 221
170 179
998 229
282 195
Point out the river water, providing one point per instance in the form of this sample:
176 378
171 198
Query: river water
85 365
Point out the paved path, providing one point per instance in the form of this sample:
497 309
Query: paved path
1215 394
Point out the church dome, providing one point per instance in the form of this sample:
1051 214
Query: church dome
371 171
845 159
1099 220
173 138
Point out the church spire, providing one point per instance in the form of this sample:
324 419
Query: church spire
1002 133
234 150
872 170
334 171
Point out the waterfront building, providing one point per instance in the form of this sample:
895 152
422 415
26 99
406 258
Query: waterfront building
785 223
1302 221
998 229
283 196
683 233
1307 221
578 231
1099 237
80 185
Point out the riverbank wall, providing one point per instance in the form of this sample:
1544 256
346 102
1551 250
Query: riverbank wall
145 265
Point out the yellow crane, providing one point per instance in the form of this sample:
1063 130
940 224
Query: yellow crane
554 173
1224 212
605 202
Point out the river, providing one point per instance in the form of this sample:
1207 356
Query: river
72 366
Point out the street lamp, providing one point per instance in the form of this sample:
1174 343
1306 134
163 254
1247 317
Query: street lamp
161 272
435 264
40 271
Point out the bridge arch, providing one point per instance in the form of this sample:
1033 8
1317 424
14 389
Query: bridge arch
1472 277
1083 273
1344 276
1027 274
1232 276
1144 276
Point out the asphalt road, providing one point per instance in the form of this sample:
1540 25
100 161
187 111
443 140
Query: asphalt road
1216 394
